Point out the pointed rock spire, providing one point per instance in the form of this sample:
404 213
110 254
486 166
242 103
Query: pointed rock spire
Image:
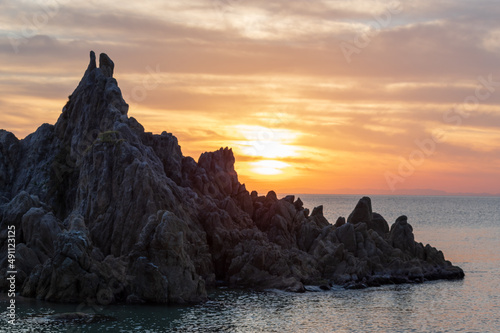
105 64
95 106
92 64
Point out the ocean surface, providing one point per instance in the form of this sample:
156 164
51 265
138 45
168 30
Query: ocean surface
466 229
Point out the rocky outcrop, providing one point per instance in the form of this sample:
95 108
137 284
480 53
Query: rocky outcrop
105 212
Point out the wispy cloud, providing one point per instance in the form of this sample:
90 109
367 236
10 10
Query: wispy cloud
276 65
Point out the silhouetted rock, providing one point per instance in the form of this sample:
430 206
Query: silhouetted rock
106 212
340 222
346 235
362 212
379 224
298 204
401 235
317 211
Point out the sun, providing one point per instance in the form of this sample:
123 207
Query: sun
268 150
269 167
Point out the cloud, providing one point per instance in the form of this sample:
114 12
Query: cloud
271 64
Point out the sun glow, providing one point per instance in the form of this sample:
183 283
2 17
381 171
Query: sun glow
266 142
266 148
269 167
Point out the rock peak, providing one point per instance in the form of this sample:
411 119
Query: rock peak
95 106
107 213
105 64
92 64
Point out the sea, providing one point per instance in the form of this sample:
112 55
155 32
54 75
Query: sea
466 229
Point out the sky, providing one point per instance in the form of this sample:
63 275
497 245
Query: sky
314 96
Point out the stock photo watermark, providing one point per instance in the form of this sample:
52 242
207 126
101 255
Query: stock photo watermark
151 81
427 147
33 23
11 274
254 22
364 38
264 135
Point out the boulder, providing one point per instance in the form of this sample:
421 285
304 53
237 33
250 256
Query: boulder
298 204
379 224
401 235
346 236
148 284
362 212
340 222
317 211
40 230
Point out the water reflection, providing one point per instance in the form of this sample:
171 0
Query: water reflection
470 239
439 306
374 309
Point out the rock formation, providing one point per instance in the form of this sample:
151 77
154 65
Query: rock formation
105 212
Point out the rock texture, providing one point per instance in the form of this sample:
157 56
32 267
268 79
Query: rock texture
105 212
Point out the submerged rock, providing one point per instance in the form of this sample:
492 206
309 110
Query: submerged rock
105 212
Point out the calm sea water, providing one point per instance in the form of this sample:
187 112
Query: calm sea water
466 229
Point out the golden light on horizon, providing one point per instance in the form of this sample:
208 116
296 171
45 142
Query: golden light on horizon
264 142
269 167
272 81
266 147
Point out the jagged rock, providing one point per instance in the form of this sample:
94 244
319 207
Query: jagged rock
307 234
379 224
401 235
169 241
105 212
106 65
27 259
317 211
9 156
40 230
362 212
346 235
220 170
271 198
298 204
15 210
148 282
340 222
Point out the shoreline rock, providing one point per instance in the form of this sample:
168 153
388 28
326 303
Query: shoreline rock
108 213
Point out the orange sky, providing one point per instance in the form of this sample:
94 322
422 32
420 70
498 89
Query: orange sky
314 96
